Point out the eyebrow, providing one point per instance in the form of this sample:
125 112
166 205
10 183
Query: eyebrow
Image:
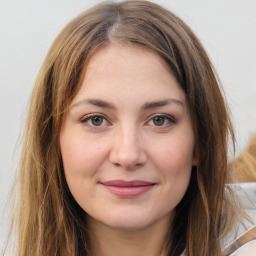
145 106
161 103
95 102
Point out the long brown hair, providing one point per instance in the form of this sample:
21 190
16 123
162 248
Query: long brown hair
49 220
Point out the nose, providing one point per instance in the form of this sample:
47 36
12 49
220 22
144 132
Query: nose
128 149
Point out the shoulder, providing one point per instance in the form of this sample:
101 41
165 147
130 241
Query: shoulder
242 239
247 249
243 235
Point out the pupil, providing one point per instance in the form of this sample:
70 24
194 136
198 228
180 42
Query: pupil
158 120
97 120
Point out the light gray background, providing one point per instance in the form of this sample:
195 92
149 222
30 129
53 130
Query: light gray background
28 27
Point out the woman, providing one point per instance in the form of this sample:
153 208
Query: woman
125 147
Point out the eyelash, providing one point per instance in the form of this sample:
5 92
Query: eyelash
88 118
167 118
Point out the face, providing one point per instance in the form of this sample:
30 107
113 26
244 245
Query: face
127 141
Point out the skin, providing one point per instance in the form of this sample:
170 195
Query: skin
129 139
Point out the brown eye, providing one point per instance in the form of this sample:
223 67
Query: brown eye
96 120
159 120
93 120
162 121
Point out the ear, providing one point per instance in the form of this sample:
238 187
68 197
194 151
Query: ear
194 161
195 157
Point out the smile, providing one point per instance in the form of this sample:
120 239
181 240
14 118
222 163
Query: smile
128 189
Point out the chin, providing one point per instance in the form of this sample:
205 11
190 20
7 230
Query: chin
131 220
129 224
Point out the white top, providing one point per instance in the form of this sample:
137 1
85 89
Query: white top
248 249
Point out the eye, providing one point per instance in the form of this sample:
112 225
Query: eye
162 121
95 120
158 120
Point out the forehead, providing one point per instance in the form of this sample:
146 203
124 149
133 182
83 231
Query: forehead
131 70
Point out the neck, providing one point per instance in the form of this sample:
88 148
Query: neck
148 241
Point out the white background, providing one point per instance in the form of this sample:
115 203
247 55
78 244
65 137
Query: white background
227 28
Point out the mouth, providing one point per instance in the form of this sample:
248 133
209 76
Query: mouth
128 189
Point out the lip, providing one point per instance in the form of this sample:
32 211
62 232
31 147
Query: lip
128 189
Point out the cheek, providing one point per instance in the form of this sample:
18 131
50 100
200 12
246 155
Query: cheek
82 163
80 158
175 156
172 158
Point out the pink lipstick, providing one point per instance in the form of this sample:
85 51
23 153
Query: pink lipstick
128 189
